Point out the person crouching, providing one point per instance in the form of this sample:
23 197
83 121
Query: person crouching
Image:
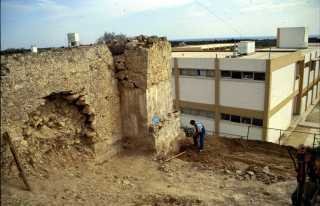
199 134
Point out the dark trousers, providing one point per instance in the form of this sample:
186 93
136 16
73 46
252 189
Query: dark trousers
309 190
198 141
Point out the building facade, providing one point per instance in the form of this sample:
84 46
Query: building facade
246 95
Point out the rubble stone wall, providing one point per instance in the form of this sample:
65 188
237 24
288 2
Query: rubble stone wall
87 98
145 82
85 77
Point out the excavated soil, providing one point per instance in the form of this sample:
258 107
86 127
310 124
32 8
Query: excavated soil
265 162
228 172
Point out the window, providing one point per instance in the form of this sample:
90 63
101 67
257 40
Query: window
236 75
259 76
210 115
313 66
197 112
247 75
197 72
257 122
202 113
189 72
246 120
210 73
194 112
235 118
225 116
203 72
185 111
226 74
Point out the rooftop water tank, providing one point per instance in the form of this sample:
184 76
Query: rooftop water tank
73 39
246 47
292 37
34 49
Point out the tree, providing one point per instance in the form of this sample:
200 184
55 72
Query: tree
109 37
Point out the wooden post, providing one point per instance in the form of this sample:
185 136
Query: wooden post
15 157
217 97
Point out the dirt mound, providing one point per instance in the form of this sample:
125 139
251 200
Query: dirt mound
244 160
165 199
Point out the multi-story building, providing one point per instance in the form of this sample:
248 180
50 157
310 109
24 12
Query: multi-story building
263 89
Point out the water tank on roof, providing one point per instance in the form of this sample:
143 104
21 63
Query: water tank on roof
246 47
292 37
34 49
73 39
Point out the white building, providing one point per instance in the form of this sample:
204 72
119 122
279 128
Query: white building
264 89
73 39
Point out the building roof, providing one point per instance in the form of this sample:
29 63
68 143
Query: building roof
266 53
203 47
256 55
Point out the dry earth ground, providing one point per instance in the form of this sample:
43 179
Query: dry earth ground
229 172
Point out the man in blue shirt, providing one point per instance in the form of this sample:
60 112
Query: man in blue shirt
199 134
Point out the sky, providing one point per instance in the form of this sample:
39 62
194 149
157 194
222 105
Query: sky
45 23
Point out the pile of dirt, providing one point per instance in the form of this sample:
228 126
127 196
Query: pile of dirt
244 160
165 199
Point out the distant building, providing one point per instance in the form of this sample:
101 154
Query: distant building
73 39
265 88
34 49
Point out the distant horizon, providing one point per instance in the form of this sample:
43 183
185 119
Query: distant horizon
45 23
181 39
237 37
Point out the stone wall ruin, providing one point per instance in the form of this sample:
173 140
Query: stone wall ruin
86 99
144 74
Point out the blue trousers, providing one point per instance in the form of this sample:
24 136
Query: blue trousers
202 135
199 143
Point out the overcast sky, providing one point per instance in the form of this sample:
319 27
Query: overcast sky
45 22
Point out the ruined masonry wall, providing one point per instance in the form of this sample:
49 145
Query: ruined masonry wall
26 79
146 92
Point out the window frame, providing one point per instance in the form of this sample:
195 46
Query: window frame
222 115
239 74
254 122
247 118
256 73
243 75
226 77
235 116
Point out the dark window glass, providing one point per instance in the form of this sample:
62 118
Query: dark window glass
235 118
210 73
189 72
259 76
202 113
194 112
247 75
246 120
225 116
313 67
186 111
236 75
210 115
225 74
203 72
257 122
